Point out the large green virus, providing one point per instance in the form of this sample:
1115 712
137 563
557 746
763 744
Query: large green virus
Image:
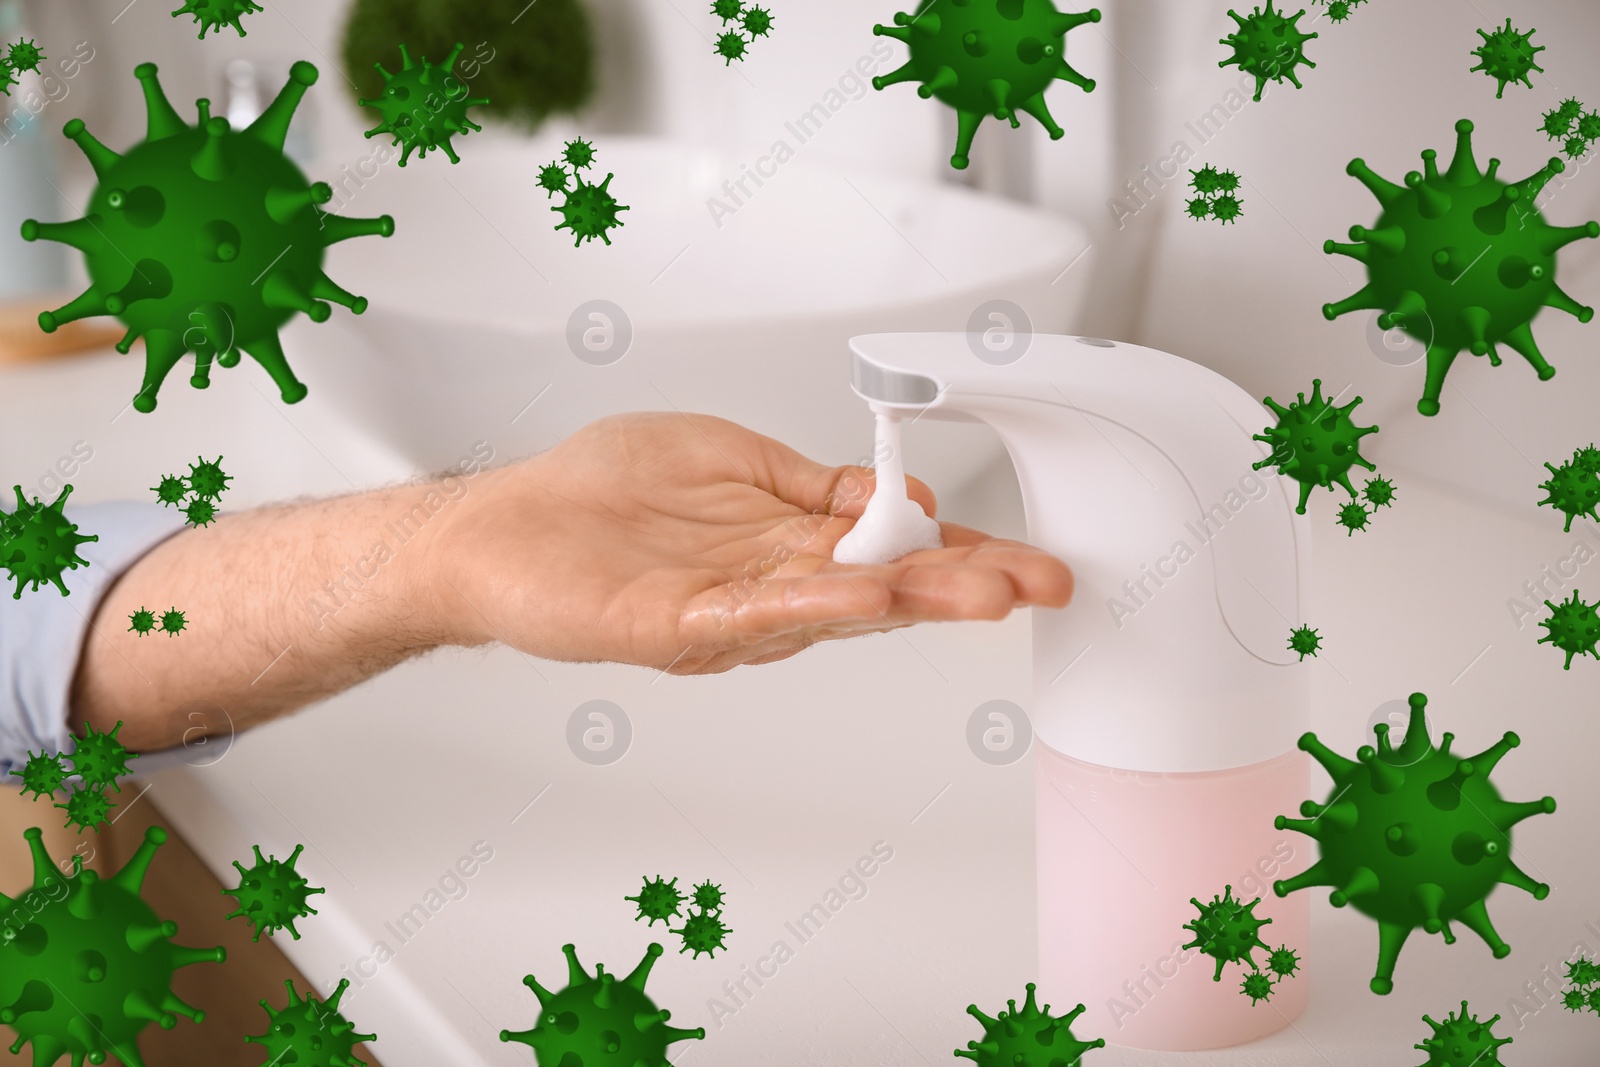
206 478
589 211
1227 930
85 965
1027 1038
38 544
99 758
1506 55
1268 46
272 894
1460 260
1462 1041
1573 490
1573 627
1314 443
215 14
43 774
205 239
658 900
599 1021
987 57
1413 836
424 106
310 1032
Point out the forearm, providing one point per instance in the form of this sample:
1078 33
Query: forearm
284 605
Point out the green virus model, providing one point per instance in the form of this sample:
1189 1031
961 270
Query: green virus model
1379 492
1198 208
658 900
1339 10
708 896
1027 1038
206 478
731 46
205 239
272 894
24 55
173 622
1353 516
599 1020
199 512
589 211
1506 55
1587 458
757 21
38 544
1462 1040
1227 930
1257 987
1574 490
987 57
99 758
1206 181
143 621
1413 836
741 26
87 807
42 775
310 1032
1268 46
7 77
1304 640
702 932
215 14
170 490
1283 962
1314 443
1576 146
1226 208
1573 627
1583 974
423 107
85 965
1216 199
1436 227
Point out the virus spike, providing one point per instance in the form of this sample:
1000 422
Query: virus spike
214 162
1464 168
1391 240
338 228
1534 184
1035 106
1363 882
83 234
1337 766
1559 300
1514 875
283 204
1386 191
1428 899
162 351
88 303
269 353
162 118
1475 917
1475 321
1314 875
283 291
101 158
1366 299
641 974
1360 251
1521 341
1439 361
1432 202
325 288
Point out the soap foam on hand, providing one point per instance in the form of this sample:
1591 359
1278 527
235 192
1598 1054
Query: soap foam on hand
893 525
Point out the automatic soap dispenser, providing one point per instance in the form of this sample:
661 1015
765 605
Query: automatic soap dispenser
1166 702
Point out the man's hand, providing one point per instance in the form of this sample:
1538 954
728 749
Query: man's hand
691 544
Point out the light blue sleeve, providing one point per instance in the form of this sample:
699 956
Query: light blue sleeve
42 634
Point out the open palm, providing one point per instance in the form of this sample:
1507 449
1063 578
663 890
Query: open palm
692 544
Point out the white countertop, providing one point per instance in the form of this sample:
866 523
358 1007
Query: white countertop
774 780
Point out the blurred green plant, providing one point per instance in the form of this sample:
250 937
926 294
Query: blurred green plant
531 60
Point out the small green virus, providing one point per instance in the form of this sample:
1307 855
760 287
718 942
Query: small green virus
1570 109
87 807
727 10
1226 208
1227 930
1027 1038
205 239
987 57
1589 126
1576 146
42 775
1587 458
1420 269
7 78
1283 962
1257 987
143 621
1227 181
1339 10
708 896
173 622
1206 181
658 900
702 932
1573 627
757 21
215 14
206 478
1555 125
1198 208
423 107
741 26
1574 1000
1315 443
311 1032
553 179
1353 516
1413 837
1379 492
1506 55
731 46
272 894
38 544
99 758
601 1020
85 964
24 55
1216 199
200 512
589 211
1305 641
170 490
1462 1040
1574 490
1268 45
1583 972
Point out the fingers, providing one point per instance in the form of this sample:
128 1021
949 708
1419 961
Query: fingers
812 487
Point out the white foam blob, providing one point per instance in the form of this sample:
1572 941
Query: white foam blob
893 525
